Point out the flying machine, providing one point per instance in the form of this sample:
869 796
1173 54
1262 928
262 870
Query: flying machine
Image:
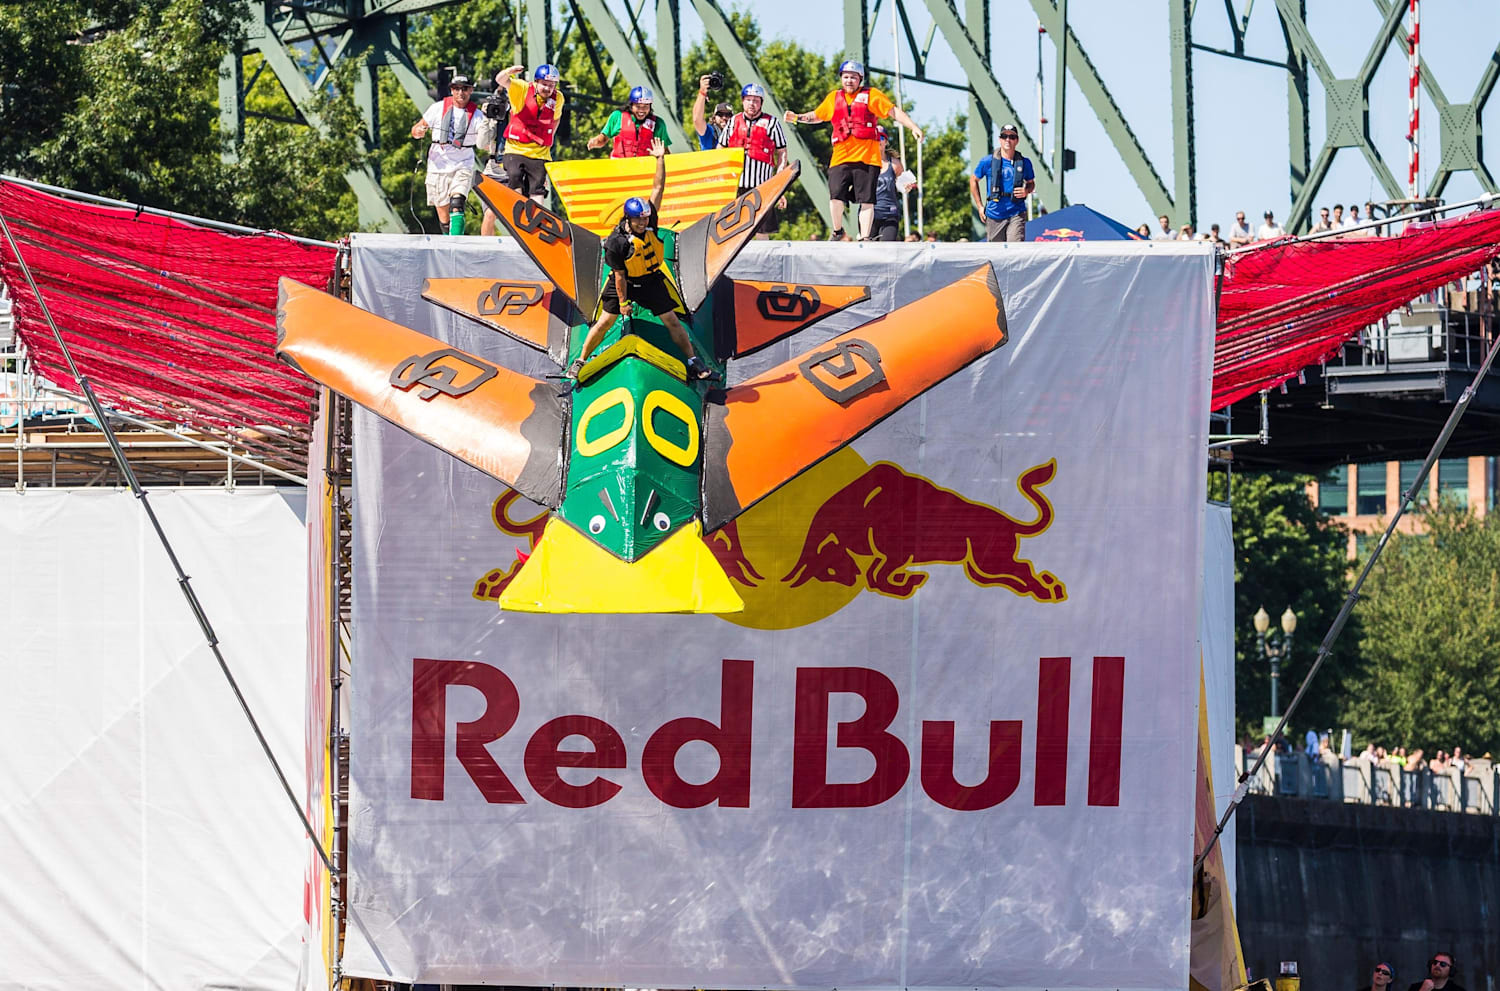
636 463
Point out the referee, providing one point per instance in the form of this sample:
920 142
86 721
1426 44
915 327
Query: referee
765 150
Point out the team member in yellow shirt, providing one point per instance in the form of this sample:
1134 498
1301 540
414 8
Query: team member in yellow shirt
854 110
535 111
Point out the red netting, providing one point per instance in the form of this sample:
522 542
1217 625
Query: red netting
1286 307
166 319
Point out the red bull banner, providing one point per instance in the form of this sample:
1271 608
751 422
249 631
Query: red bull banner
950 741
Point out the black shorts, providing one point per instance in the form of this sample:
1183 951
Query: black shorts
650 290
888 230
527 176
856 178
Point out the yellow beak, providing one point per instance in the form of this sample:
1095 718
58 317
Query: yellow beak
569 573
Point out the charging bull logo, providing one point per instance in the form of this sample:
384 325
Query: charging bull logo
847 526
884 523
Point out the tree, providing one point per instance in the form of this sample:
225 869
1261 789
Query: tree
1431 644
1287 553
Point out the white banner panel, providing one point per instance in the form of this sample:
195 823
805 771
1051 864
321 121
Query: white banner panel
144 840
950 743
1218 666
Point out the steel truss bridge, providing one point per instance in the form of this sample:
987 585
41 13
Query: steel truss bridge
642 38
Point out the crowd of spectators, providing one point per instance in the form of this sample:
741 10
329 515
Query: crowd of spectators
1241 233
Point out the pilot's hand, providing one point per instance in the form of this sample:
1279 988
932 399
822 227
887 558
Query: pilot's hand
657 148
596 142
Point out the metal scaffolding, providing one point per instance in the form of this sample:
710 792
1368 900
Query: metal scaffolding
615 31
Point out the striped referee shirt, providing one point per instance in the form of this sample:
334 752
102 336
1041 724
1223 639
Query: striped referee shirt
755 172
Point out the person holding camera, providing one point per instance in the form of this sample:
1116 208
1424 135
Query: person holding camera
764 142
854 109
450 159
496 110
633 127
709 129
536 110
1011 179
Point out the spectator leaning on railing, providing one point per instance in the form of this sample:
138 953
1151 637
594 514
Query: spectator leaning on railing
1239 234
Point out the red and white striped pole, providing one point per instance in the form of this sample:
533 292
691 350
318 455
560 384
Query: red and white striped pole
1413 156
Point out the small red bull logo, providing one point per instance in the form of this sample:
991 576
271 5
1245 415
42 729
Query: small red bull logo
847 526
1060 234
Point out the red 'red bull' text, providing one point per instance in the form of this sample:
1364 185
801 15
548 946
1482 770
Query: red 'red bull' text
544 756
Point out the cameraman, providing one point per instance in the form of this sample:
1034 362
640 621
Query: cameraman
709 130
496 110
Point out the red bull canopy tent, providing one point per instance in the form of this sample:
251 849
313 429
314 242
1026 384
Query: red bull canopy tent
174 320
1078 223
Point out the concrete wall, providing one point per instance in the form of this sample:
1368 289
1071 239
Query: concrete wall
1340 887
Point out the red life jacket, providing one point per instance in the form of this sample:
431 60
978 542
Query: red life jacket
440 133
531 123
753 136
634 139
853 120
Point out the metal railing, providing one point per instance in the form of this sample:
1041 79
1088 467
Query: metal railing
1365 781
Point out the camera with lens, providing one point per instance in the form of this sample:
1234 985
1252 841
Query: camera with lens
497 106
715 80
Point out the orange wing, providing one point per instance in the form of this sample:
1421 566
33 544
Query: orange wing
762 313
505 424
533 313
566 253
787 419
705 249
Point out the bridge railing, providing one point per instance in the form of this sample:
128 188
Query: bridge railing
1366 781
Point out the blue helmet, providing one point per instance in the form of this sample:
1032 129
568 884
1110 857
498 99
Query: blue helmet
849 65
546 71
641 94
637 207
752 89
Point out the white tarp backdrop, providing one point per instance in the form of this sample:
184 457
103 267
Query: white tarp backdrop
837 847
144 840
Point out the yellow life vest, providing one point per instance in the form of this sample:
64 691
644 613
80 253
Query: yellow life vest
647 252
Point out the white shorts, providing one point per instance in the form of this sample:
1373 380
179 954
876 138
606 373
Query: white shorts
443 186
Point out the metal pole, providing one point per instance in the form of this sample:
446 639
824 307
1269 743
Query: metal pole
1275 656
900 131
1413 120
1059 130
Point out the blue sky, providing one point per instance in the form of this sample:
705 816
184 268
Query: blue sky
1241 108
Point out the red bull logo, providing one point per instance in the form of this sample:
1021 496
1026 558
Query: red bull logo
1060 234
848 526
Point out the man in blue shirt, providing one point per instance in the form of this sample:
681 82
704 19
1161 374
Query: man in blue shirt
708 129
1011 180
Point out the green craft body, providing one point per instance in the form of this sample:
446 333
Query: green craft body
628 496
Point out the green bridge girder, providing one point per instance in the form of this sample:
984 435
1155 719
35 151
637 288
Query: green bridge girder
374 31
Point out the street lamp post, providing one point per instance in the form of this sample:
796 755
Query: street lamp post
1274 649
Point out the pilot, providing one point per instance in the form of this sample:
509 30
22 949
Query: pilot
635 252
